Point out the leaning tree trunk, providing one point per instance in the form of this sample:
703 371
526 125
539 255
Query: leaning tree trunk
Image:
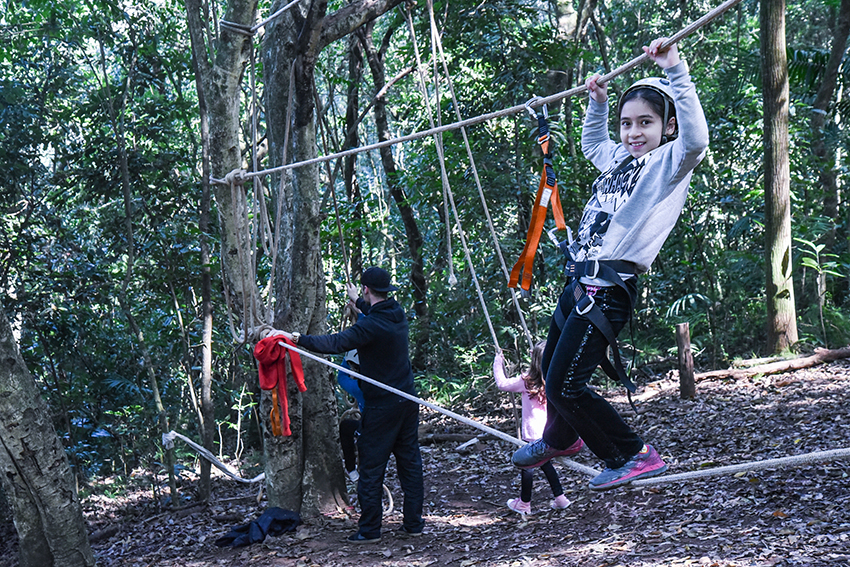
34 469
781 311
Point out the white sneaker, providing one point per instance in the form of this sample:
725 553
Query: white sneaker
354 476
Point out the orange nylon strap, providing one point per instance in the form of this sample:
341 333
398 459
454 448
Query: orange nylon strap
547 192
274 414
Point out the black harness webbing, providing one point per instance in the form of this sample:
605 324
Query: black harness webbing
585 305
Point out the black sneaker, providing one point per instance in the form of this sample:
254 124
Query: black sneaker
357 537
404 532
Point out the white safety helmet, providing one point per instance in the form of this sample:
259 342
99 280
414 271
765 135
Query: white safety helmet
662 87
352 356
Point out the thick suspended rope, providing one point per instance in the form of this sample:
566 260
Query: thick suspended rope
701 22
437 53
168 443
439 45
438 141
494 432
782 462
450 195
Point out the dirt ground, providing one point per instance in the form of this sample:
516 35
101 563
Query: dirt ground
792 515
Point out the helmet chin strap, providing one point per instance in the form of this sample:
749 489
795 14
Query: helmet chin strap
666 122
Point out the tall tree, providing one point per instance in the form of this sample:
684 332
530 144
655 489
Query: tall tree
303 471
219 63
34 469
220 54
351 140
781 310
824 154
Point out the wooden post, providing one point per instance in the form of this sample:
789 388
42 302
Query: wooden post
687 386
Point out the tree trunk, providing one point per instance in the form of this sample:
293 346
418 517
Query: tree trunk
207 407
220 65
419 285
825 155
781 311
304 472
34 468
820 356
352 139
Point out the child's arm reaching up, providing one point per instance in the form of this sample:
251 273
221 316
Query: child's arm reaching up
502 381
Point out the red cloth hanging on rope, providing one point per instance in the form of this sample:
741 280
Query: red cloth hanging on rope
272 358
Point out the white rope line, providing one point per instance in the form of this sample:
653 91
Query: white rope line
450 194
807 459
438 141
439 44
255 27
239 28
507 111
485 428
168 443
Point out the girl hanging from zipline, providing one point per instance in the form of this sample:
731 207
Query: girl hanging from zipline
533 392
634 205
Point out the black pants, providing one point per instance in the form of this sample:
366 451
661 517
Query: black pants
347 434
385 431
572 354
527 476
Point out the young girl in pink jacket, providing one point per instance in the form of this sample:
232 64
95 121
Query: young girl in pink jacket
533 392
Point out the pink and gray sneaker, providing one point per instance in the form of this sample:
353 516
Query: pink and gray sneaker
520 507
645 464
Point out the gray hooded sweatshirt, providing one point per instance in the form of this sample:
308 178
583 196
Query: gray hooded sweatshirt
631 211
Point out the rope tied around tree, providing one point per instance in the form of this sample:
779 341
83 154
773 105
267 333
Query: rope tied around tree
251 30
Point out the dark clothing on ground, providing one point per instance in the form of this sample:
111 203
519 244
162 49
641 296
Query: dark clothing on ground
570 357
390 423
273 522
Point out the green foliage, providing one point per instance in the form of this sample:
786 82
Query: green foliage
63 245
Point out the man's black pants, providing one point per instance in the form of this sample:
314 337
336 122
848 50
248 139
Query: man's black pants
384 431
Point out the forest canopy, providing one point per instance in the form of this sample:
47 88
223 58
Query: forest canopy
100 126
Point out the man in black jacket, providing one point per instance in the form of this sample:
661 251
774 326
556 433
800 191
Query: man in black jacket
390 423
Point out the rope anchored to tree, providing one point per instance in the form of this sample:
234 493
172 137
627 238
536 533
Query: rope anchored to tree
795 460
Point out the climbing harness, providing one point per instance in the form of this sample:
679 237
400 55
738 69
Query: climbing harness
547 192
586 306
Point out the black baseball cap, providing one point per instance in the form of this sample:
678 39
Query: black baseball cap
377 279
